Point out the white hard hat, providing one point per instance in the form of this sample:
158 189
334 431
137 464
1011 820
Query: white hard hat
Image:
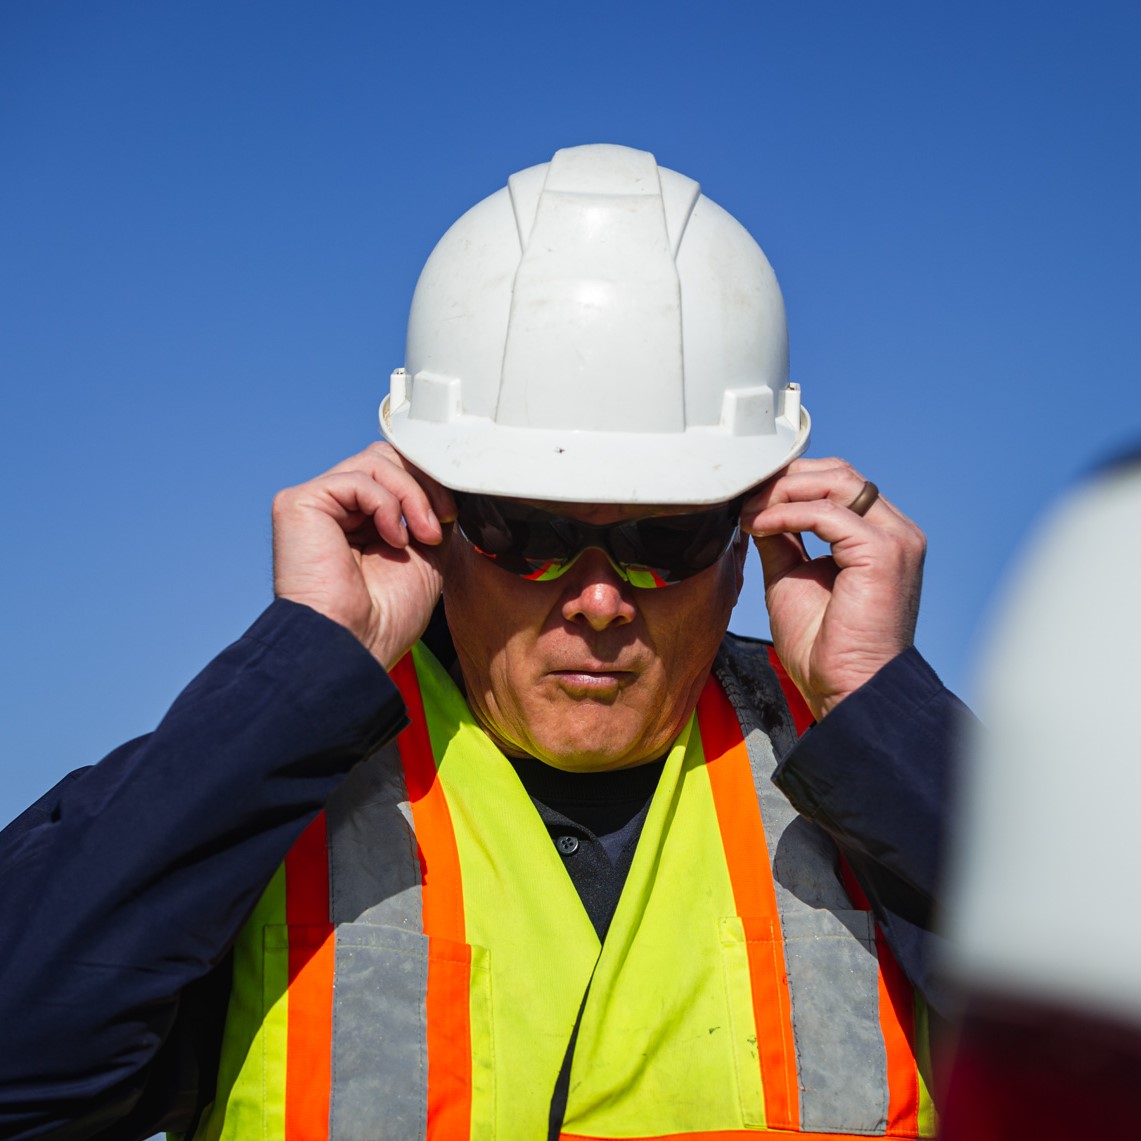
598 331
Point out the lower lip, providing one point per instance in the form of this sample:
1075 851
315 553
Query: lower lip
590 684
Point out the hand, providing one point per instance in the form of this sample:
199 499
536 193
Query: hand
839 618
362 544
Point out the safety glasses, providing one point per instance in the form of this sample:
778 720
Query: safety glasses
539 545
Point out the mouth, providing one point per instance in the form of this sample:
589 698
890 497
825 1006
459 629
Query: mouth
590 681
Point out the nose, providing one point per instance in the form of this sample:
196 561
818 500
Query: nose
594 593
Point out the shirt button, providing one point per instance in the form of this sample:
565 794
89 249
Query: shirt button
568 845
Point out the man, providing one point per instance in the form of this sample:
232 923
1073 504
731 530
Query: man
280 915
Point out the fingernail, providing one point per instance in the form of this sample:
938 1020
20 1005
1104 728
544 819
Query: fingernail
434 523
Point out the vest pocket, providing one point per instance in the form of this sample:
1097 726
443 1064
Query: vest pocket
392 989
356 1014
762 1034
805 1003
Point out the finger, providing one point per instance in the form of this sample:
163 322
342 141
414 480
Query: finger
845 532
830 479
442 500
823 518
780 554
423 501
839 484
817 463
352 500
399 512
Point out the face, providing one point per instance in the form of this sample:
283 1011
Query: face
585 672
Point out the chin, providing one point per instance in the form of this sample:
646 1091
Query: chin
592 754
588 762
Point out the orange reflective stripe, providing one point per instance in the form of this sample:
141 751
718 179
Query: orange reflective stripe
897 1023
443 904
897 1019
310 1035
448 998
801 715
747 857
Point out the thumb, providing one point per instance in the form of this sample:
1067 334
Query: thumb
780 554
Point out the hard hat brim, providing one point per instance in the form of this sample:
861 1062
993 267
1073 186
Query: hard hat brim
700 465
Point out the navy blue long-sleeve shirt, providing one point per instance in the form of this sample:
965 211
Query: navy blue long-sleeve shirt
129 880
122 889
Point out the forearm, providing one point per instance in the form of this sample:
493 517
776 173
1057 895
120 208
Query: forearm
130 880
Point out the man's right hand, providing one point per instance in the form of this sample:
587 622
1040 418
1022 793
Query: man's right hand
363 544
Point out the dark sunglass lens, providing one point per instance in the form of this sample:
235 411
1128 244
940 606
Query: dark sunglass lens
678 545
506 529
483 524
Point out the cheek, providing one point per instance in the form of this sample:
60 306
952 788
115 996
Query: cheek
477 616
699 612
469 622
687 629
492 618
501 692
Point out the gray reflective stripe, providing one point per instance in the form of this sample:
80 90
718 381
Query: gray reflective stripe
379 1064
833 984
374 870
833 975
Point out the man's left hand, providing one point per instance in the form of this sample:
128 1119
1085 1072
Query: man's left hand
839 618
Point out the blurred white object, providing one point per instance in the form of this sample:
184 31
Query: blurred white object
1045 896
1043 918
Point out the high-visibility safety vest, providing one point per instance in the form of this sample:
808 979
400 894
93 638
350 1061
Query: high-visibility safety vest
416 966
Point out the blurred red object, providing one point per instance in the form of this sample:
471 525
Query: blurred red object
1043 1074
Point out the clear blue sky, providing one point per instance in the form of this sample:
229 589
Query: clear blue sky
212 216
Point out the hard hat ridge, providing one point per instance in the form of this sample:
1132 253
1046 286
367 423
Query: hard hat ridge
576 168
597 331
596 295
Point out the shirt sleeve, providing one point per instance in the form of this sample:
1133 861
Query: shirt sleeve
877 775
127 883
